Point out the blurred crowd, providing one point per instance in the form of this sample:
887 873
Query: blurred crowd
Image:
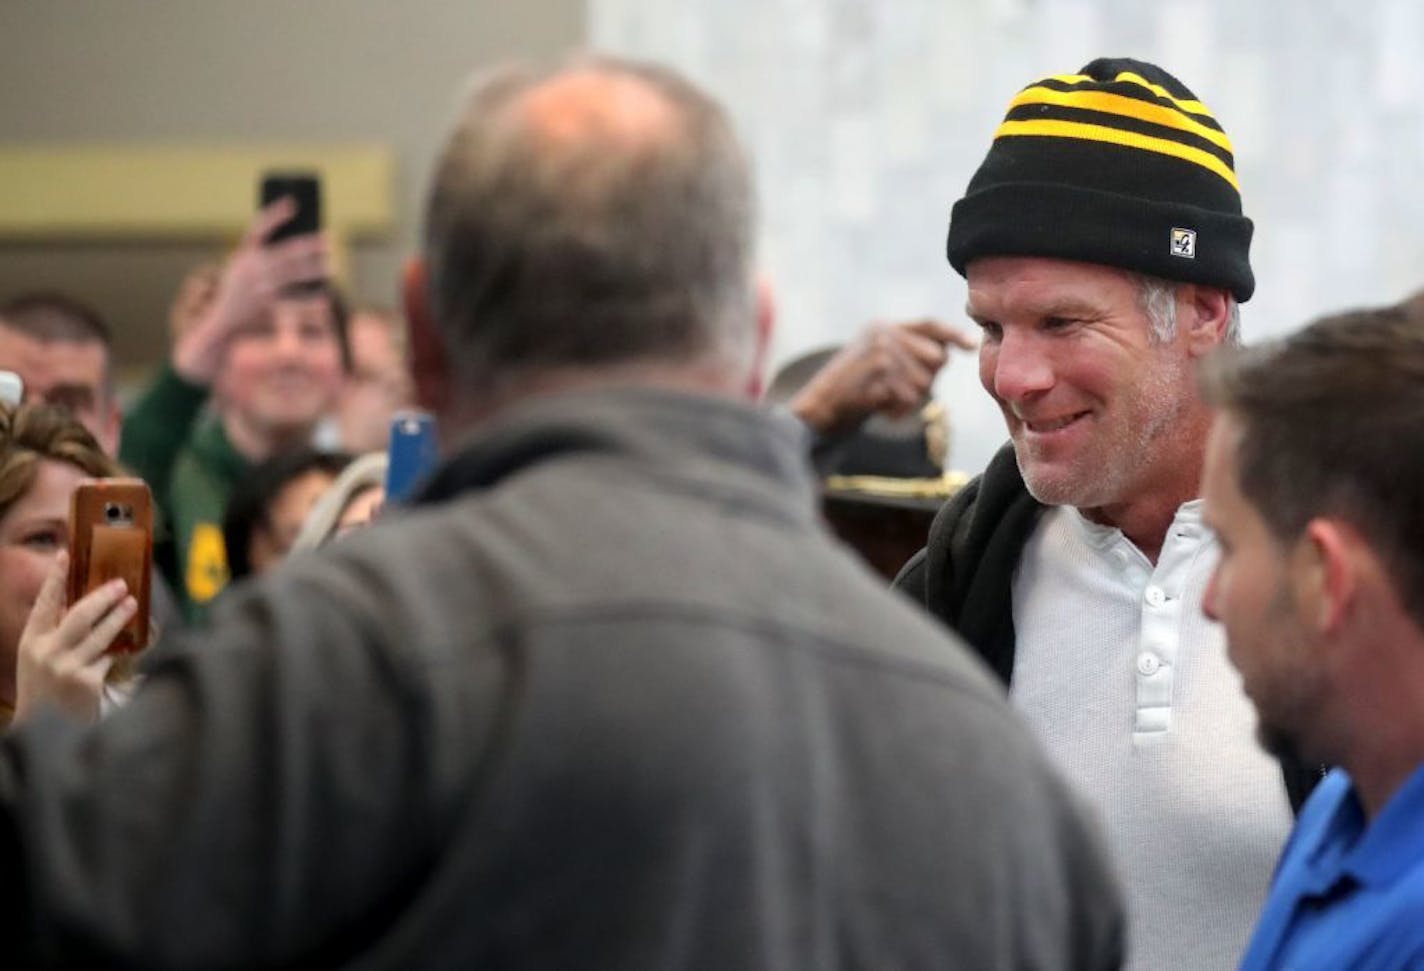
264 430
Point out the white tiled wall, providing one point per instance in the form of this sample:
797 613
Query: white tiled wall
867 118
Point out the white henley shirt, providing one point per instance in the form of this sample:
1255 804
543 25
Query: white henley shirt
1127 683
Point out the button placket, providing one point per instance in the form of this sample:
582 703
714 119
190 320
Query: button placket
1154 674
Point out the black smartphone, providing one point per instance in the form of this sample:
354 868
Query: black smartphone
305 189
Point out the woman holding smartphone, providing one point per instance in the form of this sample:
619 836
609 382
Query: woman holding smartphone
48 652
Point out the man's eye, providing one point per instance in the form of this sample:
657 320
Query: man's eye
991 330
1058 323
74 402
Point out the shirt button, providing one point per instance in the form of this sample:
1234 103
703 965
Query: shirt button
1156 596
1147 664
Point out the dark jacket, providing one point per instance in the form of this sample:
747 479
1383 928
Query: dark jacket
964 576
612 699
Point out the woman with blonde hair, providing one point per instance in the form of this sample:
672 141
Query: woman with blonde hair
49 651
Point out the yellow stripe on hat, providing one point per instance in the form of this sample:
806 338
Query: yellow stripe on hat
1186 104
1116 136
1118 104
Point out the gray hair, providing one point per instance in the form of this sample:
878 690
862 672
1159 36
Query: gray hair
1158 299
552 251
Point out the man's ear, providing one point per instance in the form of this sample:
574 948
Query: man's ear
1325 574
1203 316
765 310
429 364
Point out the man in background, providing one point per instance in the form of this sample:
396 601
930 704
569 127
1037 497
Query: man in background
63 352
1312 485
882 451
608 695
379 383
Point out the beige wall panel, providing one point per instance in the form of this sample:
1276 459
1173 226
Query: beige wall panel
208 71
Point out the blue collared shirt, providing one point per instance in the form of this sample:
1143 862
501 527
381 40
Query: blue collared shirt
1348 892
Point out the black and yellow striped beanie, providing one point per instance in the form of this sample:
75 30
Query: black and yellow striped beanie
1118 164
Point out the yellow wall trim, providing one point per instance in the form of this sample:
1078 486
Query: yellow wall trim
131 192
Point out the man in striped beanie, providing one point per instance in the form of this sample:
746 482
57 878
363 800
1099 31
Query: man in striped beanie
1106 251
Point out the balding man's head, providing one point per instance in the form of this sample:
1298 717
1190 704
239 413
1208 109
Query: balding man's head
590 218
594 104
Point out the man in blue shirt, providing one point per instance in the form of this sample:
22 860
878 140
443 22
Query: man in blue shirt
1311 482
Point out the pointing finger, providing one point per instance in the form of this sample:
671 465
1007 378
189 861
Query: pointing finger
943 333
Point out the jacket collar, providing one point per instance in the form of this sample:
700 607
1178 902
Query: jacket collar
747 449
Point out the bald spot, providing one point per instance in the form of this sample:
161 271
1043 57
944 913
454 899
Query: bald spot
583 106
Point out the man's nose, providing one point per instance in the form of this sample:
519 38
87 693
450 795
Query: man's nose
1021 367
288 343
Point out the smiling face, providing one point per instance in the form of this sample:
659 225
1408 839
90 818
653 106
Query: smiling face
1093 403
32 531
1251 595
283 373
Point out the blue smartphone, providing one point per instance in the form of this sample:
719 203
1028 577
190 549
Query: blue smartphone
412 454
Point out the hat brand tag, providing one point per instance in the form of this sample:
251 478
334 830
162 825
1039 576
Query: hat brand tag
1184 243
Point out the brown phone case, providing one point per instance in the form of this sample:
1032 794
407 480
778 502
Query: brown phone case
111 536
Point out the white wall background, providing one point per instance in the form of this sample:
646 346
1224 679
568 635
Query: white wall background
867 118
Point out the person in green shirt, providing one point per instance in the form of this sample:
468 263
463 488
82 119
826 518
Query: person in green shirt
257 361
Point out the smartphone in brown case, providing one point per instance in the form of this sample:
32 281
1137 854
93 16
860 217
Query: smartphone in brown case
111 536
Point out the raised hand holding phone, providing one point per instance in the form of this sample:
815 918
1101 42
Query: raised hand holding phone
64 655
261 268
